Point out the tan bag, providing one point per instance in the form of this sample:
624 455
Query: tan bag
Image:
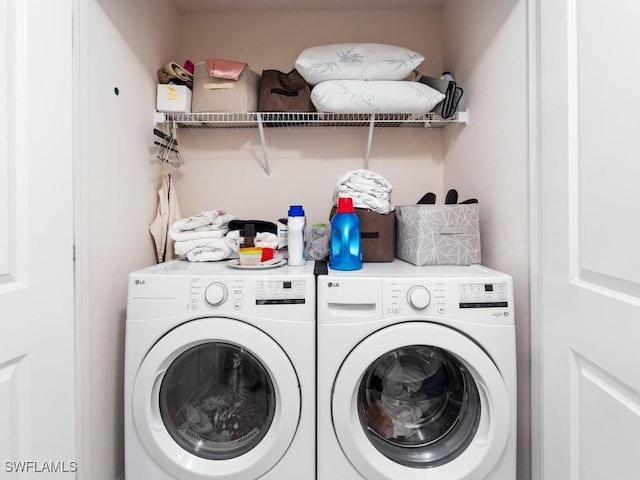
377 234
224 95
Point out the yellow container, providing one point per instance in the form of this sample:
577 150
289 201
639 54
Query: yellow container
250 256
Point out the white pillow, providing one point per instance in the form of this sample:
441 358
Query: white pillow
360 96
356 61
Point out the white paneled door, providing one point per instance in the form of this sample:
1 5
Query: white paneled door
36 241
589 219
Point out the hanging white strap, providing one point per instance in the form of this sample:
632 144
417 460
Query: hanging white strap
267 168
372 123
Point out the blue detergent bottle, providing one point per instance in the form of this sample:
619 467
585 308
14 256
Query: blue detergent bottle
346 247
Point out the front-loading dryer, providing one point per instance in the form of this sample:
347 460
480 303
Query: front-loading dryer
220 372
416 374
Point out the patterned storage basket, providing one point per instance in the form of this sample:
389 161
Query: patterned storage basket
438 234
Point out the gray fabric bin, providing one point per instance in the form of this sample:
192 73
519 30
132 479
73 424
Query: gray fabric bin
211 95
438 234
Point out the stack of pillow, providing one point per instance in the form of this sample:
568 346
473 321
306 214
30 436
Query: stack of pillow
365 78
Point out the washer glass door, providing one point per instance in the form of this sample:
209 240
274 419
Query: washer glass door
419 401
419 406
217 400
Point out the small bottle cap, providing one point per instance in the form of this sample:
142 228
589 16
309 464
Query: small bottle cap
345 205
296 211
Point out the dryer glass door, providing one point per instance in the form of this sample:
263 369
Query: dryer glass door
217 400
419 406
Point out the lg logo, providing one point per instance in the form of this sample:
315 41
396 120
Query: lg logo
333 284
139 282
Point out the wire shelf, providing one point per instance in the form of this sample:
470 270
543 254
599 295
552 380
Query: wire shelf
291 119
262 120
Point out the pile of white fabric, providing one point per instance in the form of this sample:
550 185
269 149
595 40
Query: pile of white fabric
367 189
262 239
201 238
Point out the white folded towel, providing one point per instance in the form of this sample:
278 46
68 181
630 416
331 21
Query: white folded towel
182 236
203 249
263 239
368 190
205 256
212 218
200 225
201 238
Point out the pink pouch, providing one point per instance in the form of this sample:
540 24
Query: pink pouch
221 68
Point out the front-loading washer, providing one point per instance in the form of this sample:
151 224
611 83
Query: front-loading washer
220 372
416 375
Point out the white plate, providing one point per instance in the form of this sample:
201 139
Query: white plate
235 263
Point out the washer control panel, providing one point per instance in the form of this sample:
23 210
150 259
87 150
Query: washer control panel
403 296
216 293
483 295
202 289
476 300
239 293
280 292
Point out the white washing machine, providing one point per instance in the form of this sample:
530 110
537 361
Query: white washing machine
220 373
416 374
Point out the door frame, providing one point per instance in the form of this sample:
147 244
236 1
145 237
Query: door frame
535 233
81 237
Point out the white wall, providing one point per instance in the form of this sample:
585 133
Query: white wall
489 158
127 42
222 169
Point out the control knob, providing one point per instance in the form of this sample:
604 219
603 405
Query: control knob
215 294
418 297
